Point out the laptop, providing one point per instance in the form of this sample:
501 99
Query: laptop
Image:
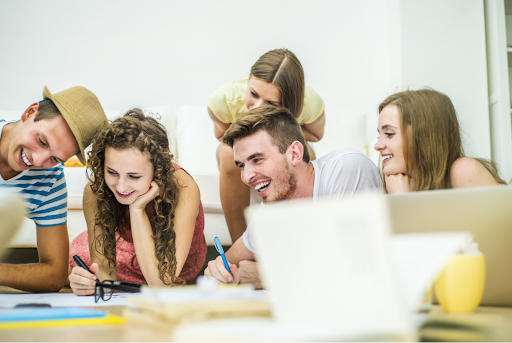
485 212
12 211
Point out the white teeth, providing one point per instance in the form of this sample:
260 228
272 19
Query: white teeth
262 186
24 158
125 193
387 157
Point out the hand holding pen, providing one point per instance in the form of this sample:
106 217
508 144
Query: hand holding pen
82 278
220 268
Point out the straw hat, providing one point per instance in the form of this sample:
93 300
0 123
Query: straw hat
82 111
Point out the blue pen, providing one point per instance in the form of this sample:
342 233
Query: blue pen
218 246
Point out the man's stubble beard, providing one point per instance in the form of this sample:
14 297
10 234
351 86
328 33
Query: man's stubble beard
288 193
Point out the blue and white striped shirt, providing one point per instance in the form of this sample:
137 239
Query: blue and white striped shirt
44 190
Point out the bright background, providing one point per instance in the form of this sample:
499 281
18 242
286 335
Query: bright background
175 53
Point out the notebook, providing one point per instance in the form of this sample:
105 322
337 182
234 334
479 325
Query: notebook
21 318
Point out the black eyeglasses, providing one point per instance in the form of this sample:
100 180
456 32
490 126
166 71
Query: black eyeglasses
104 289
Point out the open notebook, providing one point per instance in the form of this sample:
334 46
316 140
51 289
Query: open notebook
334 271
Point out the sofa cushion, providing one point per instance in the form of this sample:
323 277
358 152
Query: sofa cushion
196 142
343 129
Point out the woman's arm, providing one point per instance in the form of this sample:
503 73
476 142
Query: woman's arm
218 126
96 251
81 281
185 216
313 132
468 172
184 224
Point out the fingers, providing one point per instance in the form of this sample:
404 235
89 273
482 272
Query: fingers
81 281
95 269
217 270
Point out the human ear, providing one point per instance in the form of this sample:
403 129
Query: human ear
30 111
296 150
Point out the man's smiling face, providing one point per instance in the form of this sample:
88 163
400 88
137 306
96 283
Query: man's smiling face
40 144
264 168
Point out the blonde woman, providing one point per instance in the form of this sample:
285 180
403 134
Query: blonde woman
420 146
276 79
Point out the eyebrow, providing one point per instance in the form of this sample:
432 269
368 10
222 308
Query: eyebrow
272 101
253 156
139 173
387 126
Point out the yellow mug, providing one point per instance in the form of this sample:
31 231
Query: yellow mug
460 286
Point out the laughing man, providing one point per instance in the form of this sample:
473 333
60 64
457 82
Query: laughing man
268 147
32 155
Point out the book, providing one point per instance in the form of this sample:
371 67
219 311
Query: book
21 318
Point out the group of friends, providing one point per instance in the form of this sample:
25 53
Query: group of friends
143 211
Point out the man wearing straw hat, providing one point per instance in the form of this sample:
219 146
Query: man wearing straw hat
32 155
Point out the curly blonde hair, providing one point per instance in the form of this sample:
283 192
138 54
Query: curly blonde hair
136 131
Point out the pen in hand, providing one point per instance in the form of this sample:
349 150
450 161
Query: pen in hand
81 263
219 248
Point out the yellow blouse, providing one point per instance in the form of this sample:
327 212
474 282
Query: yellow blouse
227 102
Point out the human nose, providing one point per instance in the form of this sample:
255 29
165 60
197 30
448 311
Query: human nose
42 159
122 184
258 103
379 145
248 175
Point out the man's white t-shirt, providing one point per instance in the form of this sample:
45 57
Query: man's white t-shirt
340 174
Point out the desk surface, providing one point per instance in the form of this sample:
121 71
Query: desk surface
496 319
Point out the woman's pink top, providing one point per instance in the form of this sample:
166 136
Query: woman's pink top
128 268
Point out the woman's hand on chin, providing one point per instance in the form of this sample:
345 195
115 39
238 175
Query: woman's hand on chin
143 199
397 183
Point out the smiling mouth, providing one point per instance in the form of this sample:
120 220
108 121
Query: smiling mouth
124 195
24 159
386 158
262 186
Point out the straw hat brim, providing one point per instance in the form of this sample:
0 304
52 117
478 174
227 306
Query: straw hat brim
71 123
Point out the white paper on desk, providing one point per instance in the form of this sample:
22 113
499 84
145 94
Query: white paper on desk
60 300
420 257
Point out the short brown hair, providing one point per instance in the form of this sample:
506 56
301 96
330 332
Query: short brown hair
47 110
278 122
282 68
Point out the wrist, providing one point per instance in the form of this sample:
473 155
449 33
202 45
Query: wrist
136 210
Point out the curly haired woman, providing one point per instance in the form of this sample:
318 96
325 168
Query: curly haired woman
143 212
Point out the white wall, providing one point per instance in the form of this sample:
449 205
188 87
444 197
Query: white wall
443 47
173 53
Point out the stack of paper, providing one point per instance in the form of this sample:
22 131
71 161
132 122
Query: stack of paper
171 306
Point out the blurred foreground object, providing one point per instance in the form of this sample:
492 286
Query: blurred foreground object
158 307
460 286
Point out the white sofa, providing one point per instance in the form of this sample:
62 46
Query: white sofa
192 140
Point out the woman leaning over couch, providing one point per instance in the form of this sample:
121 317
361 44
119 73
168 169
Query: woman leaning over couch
421 148
276 79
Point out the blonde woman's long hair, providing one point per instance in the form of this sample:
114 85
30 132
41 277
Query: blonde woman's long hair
431 138
282 68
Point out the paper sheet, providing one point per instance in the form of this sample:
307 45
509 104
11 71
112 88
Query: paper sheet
60 300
